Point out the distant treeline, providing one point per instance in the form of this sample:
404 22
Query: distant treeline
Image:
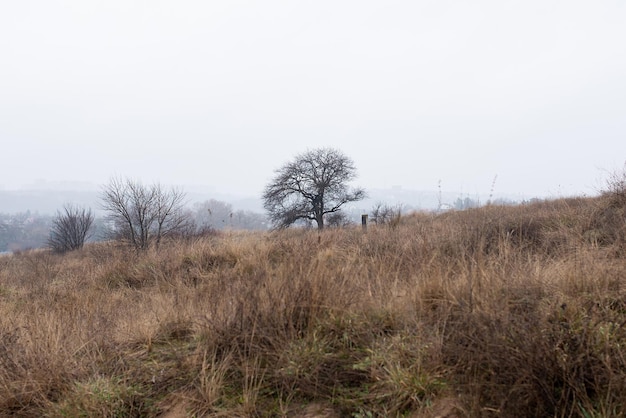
28 230
23 230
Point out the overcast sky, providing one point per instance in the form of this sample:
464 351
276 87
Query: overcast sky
221 93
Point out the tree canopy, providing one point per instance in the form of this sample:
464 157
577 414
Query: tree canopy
314 184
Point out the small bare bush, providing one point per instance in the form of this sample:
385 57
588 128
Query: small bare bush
384 214
70 228
616 187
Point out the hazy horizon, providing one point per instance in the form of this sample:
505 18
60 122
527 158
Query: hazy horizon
420 95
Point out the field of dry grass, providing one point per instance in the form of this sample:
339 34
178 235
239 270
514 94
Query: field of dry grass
496 311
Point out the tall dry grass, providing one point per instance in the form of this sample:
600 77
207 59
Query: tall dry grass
496 311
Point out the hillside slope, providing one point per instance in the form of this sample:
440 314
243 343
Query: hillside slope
495 311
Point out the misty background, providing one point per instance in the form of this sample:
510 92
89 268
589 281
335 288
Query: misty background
433 100
219 94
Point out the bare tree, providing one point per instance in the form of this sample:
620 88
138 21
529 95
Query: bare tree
143 215
314 184
70 228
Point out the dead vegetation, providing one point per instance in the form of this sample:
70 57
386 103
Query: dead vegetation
494 311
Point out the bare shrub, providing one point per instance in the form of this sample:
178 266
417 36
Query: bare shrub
384 214
616 187
608 223
70 229
338 220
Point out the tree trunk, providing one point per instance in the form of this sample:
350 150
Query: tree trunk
318 209
319 218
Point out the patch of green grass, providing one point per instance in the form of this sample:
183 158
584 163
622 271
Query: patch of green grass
103 397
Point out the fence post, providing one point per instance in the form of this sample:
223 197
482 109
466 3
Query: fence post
364 222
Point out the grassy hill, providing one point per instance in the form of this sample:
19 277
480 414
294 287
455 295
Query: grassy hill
495 311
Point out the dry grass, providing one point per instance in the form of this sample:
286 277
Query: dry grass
515 311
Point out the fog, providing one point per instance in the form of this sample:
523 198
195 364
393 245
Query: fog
216 95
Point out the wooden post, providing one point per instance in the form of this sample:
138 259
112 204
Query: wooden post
364 222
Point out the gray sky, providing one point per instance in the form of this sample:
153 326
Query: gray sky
221 93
